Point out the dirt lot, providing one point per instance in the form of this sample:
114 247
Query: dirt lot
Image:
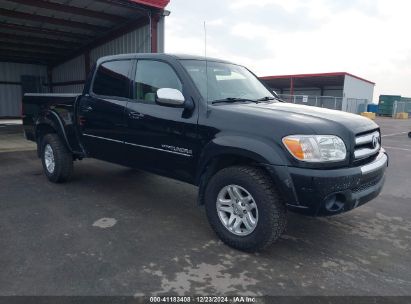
115 231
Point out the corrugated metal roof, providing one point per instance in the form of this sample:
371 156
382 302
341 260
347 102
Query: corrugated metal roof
47 32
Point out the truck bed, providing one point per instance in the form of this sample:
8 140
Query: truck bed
56 108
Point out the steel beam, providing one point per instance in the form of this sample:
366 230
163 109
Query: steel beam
42 61
51 20
38 40
37 30
12 49
27 55
70 9
10 82
28 46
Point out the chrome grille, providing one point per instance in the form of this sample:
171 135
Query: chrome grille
367 145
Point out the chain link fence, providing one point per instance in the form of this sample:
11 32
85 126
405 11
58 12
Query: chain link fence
401 107
356 106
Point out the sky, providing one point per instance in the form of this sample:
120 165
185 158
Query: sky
368 38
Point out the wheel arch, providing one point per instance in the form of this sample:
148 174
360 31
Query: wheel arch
238 148
227 151
50 123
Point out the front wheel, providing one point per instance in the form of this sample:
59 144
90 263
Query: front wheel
244 208
57 160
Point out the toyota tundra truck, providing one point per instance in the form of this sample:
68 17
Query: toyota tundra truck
215 125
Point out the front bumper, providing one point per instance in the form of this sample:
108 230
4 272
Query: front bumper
330 192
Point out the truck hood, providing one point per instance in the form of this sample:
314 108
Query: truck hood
320 120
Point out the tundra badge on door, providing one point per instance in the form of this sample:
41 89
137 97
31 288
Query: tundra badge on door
178 150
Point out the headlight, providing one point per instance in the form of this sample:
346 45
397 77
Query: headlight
316 148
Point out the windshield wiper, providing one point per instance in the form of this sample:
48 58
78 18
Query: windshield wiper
268 98
232 100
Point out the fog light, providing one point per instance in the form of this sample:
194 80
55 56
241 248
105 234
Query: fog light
334 203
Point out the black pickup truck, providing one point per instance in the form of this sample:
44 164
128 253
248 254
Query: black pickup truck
212 124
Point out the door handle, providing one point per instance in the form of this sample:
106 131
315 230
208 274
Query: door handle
135 115
86 109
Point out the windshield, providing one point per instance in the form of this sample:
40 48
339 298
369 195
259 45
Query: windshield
225 81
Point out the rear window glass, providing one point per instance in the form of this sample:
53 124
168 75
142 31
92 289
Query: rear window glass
112 79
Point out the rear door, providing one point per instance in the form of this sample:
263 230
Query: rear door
160 139
101 114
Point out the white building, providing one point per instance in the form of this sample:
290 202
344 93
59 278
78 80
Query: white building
341 91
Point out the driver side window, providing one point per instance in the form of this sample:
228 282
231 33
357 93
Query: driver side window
153 75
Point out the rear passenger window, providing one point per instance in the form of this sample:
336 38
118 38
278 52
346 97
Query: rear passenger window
112 79
153 75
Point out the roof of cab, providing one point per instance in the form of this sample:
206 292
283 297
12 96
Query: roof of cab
163 56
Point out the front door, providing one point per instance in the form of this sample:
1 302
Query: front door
160 139
101 114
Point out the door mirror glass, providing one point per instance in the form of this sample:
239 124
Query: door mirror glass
170 97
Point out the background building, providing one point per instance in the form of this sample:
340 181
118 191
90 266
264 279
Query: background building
390 105
51 46
340 91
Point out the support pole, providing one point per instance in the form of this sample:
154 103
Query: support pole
50 78
87 63
154 19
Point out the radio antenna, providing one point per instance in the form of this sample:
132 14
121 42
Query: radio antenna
206 60
205 40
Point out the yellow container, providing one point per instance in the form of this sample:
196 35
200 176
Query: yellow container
369 115
402 115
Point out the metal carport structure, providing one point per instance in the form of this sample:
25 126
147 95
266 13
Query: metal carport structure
50 46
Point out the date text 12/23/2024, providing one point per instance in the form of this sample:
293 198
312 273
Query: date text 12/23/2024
203 299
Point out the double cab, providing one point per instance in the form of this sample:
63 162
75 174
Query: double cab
215 125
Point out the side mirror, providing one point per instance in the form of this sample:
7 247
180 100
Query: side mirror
170 97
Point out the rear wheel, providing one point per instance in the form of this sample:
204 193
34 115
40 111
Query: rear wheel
56 158
244 208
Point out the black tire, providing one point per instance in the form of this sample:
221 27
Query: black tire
63 159
409 135
271 209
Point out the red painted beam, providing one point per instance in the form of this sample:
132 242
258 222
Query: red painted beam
131 5
303 75
37 30
70 9
51 20
314 75
161 4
